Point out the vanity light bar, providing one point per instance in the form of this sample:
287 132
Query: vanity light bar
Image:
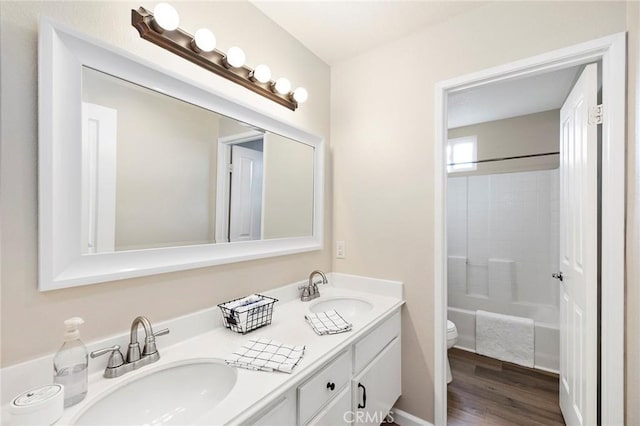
230 66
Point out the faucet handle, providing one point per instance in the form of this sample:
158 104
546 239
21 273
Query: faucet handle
150 342
115 360
306 290
161 332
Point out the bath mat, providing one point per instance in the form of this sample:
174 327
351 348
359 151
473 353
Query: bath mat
505 337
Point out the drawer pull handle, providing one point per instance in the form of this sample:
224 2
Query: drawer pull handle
364 396
331 385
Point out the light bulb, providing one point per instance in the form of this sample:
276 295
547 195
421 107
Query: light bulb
235 57
262 73
300 95
166 16
204 40
282 86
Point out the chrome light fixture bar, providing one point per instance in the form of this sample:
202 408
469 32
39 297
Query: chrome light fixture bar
230 66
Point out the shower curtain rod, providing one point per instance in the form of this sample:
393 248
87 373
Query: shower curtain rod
505 158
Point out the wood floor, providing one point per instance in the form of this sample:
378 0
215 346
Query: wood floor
486 391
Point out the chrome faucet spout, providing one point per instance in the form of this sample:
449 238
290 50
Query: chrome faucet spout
133 352
310 291
146 324
317 272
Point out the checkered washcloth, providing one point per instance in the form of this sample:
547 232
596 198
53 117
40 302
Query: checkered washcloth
329 322
266 355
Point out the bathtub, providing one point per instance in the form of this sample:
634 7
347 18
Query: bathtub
546 335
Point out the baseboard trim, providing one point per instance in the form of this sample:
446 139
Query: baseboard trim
546 370
403 418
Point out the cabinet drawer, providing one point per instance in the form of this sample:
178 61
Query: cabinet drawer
337 412
315 393
371 345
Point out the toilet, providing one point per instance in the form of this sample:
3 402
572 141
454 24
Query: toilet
452 338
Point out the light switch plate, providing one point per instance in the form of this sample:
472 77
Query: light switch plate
340 250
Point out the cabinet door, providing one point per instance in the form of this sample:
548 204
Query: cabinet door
281 413
378 387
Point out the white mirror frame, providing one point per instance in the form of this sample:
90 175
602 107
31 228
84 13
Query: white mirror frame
62 53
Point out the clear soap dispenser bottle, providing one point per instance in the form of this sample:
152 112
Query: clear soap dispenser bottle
70 364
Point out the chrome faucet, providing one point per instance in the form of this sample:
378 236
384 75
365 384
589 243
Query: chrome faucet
133 353
117 366
310 291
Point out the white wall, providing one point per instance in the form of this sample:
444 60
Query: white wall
503 243
31 322
382 134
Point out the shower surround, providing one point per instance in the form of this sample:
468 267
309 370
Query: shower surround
503 246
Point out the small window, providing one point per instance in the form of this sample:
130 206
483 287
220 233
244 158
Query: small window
462 154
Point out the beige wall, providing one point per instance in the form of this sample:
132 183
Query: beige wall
633 219
511 137
229 127
382 135
288 188
166 159
32 321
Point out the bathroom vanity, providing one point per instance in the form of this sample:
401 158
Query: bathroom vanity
352 377
341 378
360 384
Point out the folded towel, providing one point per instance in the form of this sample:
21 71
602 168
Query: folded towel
329 322
266 355
250 314
244 302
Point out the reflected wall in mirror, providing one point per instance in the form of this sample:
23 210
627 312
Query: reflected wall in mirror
161 172
143 171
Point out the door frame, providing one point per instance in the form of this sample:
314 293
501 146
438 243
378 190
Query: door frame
611 52
223 181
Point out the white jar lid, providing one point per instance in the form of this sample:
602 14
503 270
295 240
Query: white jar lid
41 405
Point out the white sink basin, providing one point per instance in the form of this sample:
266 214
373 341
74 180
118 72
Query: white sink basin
347 307
178 393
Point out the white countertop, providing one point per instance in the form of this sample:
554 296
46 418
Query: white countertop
254 390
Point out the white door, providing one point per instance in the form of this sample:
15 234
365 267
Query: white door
99 140
578 253
245 212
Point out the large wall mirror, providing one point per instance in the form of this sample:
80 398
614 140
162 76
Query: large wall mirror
143 172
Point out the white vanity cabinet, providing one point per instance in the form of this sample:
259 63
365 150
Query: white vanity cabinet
369 369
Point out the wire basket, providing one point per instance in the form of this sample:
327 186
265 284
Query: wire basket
243 320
